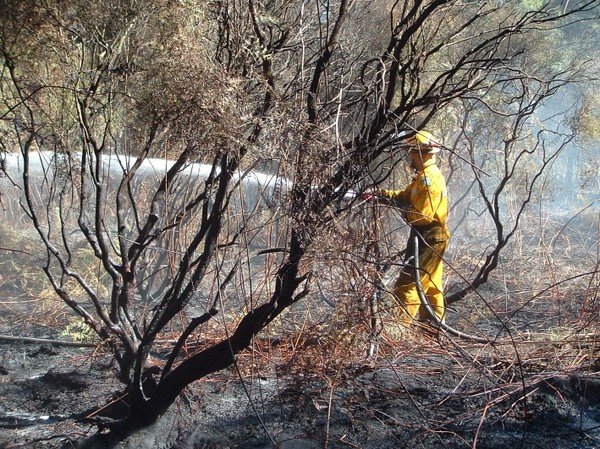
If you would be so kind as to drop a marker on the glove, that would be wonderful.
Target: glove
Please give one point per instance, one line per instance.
(368, 195)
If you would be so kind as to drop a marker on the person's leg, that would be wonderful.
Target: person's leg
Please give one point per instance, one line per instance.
(404, 306)
(405, 293)
(431, 267)
(405, 300)
(407, 297)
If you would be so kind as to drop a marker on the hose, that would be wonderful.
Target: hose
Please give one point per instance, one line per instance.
(425, 302)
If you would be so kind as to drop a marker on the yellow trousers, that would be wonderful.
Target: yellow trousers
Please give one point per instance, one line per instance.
(432, 246)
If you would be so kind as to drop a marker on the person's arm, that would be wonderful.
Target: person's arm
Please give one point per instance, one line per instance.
(399, 198)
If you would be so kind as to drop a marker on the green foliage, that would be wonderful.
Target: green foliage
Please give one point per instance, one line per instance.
(218, 81)
(589, 117)
(78, 331)
(532, 5)
(19, 262)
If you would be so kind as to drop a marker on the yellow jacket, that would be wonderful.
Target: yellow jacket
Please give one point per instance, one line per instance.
(425, 198)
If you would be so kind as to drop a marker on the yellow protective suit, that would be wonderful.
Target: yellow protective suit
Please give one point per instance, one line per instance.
(425, 202)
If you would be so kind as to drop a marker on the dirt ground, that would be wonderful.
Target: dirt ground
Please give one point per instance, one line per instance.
(431, 393)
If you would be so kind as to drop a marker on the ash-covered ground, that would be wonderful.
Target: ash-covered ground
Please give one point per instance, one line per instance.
(427, 393)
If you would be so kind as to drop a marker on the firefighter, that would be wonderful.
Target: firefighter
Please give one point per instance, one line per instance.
(424, 204)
